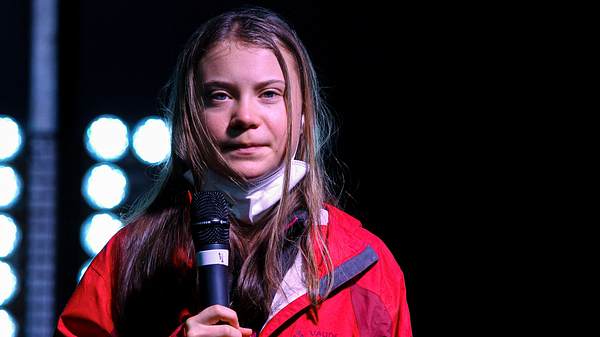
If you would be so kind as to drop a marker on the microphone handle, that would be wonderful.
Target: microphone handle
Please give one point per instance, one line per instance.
(212, 261)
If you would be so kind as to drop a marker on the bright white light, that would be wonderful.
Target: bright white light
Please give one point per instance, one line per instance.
(105, 186)
(8, 325)
(107, 138)
(152, 140)
(10, 235)
(10, 138)
(97, 230)
(8, 283)
(10, 186)
(83, 268)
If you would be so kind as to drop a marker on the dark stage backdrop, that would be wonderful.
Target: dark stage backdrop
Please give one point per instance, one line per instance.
(14, 74)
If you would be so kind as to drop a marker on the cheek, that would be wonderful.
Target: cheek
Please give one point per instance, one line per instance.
(280, 128)
(215, 125)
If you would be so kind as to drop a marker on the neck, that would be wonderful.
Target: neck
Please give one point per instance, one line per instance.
(251, 201)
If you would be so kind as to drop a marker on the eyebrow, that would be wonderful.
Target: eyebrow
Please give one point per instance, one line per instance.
(229, 85)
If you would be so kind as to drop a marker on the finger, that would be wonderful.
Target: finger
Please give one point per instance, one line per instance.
(225, 331)
(213, 330)
(217, 313)
(246, 332)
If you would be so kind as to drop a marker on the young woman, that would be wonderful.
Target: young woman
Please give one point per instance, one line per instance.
(247, 120)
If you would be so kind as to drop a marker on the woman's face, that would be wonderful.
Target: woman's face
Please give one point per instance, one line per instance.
(245, 106)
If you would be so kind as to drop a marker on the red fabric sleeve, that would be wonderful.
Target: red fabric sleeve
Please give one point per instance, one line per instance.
(179, 332)
(403, 326)
(88, 312)
(394, 289)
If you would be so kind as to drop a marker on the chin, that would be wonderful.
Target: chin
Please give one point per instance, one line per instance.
(251, 168)
(251, 171)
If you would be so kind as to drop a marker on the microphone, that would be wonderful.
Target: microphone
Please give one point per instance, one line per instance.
(209, 217)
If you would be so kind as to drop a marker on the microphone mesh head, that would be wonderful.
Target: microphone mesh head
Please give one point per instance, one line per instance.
(209, 205)
(209, 218)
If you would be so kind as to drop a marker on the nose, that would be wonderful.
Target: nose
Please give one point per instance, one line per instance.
(245, 115)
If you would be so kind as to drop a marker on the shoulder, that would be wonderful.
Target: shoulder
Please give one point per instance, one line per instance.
(346, 234)
(343, 227)
(384, 278)
(346, 237)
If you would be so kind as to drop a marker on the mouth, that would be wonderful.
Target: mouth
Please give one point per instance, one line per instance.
(242, 148)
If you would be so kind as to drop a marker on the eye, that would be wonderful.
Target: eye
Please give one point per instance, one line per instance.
(218, 96)
(270, 94)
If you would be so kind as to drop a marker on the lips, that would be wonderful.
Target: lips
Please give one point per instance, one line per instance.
(242, 147)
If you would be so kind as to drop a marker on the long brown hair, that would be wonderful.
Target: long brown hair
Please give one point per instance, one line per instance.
(151, 262)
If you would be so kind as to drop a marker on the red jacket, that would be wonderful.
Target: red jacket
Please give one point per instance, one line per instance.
(369, 296)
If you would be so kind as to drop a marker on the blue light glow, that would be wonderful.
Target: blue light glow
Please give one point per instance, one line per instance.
(10, 186)
(97, 230)
(107, 138)
(152, 140)
(105, 186)
(10, 235)
(11, 138)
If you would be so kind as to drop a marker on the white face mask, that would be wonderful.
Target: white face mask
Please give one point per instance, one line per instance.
(251, 202)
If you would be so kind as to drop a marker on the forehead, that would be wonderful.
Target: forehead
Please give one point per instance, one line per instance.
(242, 61)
